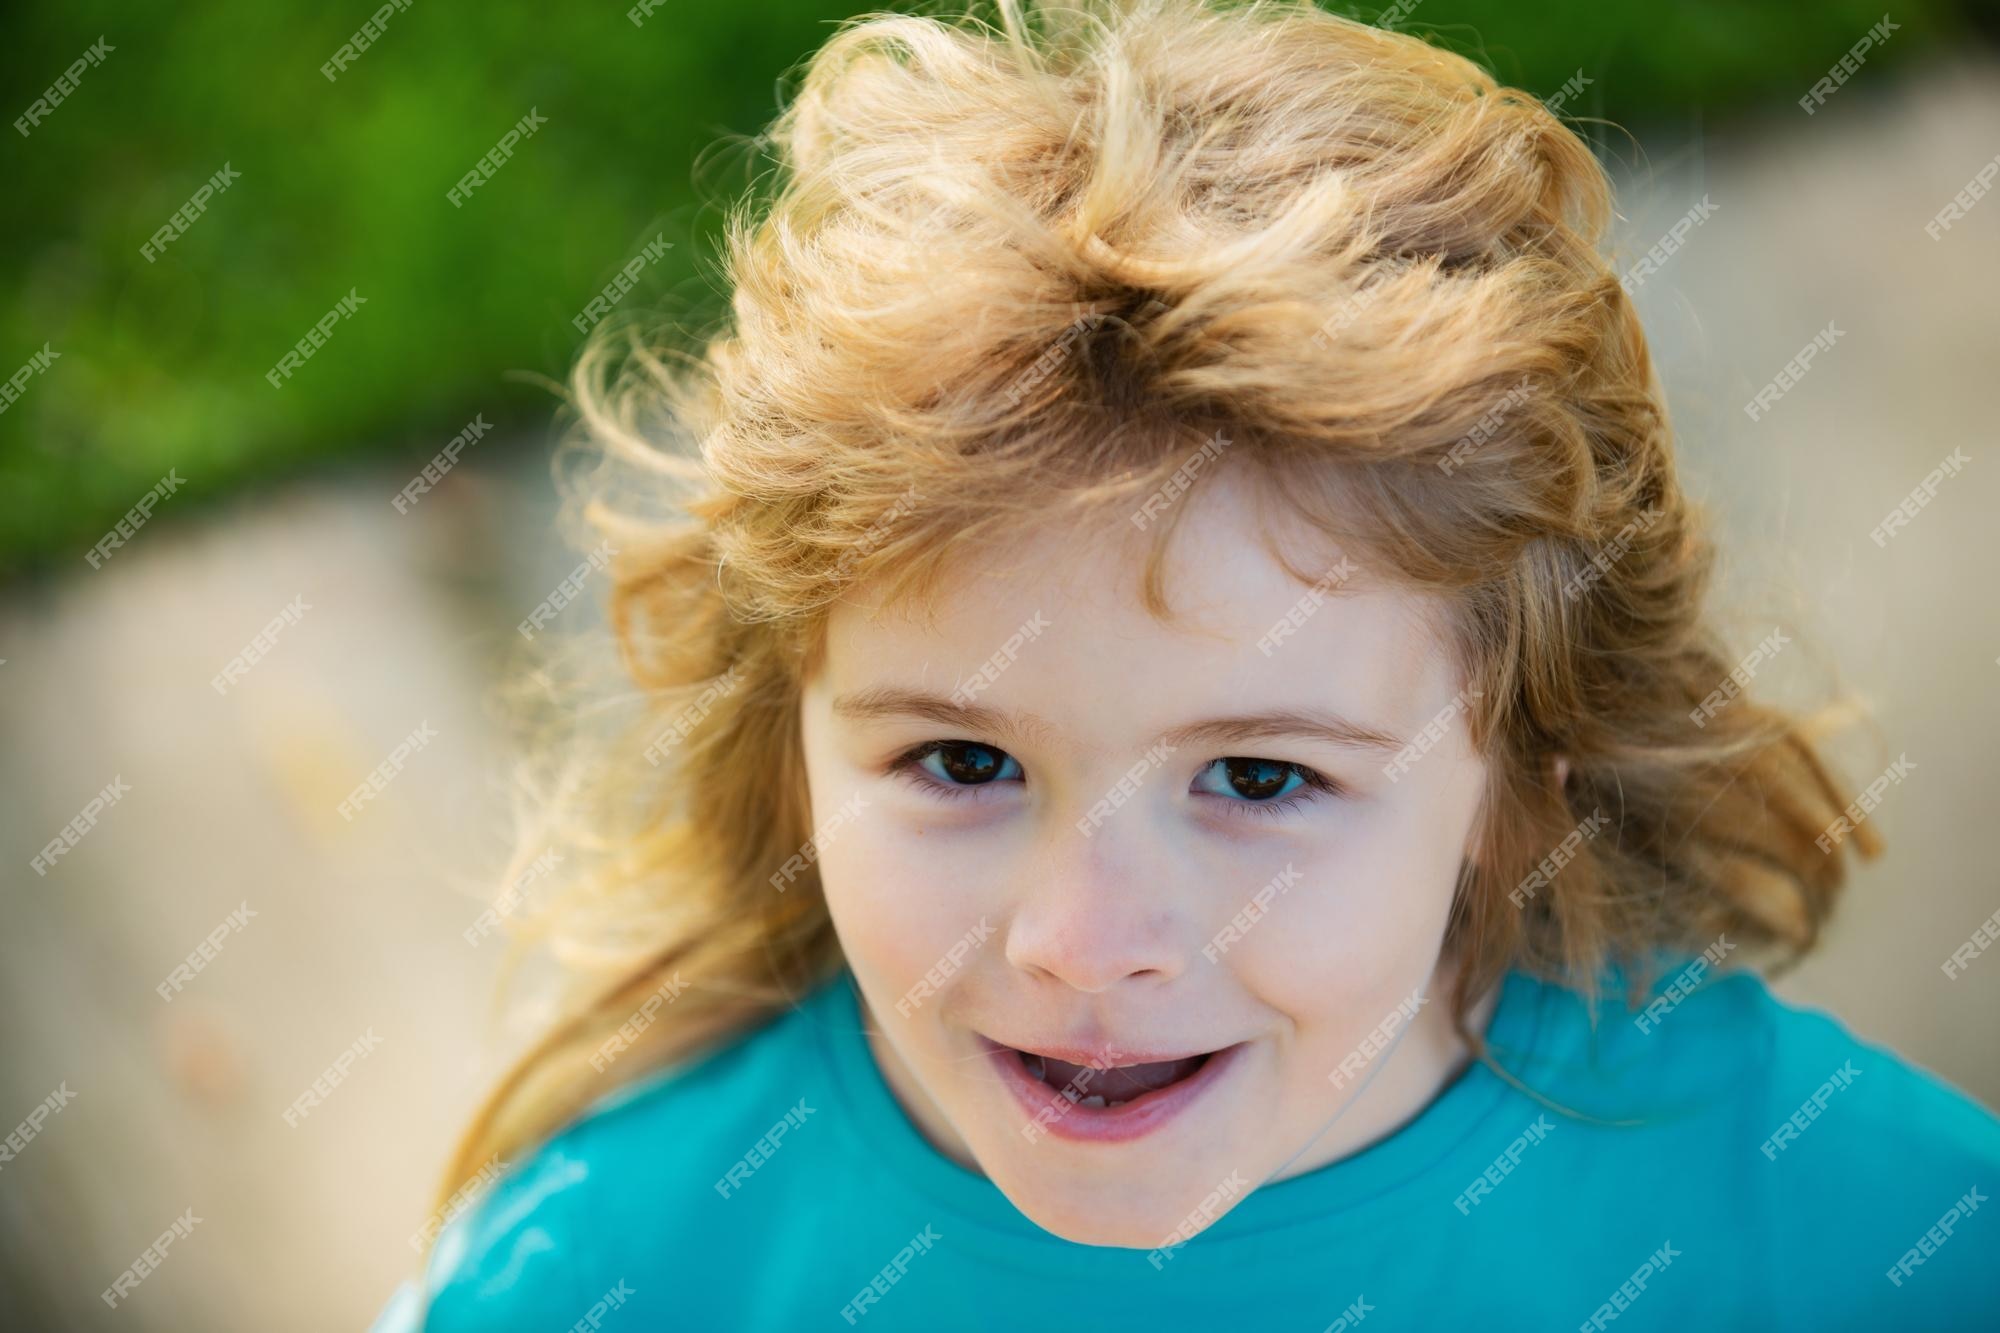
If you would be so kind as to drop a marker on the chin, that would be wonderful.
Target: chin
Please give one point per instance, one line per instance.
(1084, 1219)
(1140, 1201)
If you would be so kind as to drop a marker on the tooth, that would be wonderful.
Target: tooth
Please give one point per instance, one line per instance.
(1037, 1066)
(1095, 1100)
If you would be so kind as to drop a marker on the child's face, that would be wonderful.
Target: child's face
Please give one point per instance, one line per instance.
(1074, 888)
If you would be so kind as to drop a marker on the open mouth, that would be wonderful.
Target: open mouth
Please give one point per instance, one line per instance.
(1104, 1089)
(1105, 1102)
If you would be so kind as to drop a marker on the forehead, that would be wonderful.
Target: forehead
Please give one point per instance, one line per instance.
(1052, 621)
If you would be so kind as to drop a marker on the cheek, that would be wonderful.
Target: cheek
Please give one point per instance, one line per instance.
(884, 905)
(1364, 924)
(901, 902)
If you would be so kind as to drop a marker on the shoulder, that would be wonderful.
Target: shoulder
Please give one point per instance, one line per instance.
(1860, 1177)
(553, 1237)
(1877, 1171)
(1855, 1123)
(1725, 1037)
(1814, 1078)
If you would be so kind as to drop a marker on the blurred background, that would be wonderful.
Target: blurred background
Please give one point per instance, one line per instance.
(141, 350)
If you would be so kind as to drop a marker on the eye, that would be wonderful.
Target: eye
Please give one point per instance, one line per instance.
(960, 766)
(1260, 788)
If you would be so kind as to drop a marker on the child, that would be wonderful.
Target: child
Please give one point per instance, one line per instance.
(1186, 779)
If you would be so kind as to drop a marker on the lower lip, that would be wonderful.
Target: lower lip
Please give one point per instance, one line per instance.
(1048, 1109)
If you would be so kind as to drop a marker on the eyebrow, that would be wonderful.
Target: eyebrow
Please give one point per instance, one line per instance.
(887, 702)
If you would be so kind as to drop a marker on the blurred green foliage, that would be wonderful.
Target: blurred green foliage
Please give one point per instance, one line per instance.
(343, 187)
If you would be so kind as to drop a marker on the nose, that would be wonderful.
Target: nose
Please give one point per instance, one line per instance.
(1101, 910)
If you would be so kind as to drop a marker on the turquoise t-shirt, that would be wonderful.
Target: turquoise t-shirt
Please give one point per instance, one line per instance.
(1785, 1175)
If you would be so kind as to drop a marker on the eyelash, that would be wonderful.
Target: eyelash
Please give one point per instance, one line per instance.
(909, 767)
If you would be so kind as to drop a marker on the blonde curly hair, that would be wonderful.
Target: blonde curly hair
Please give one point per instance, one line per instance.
(1022, 270)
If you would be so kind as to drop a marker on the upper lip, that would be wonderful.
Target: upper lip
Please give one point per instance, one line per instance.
(1105, 1055)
